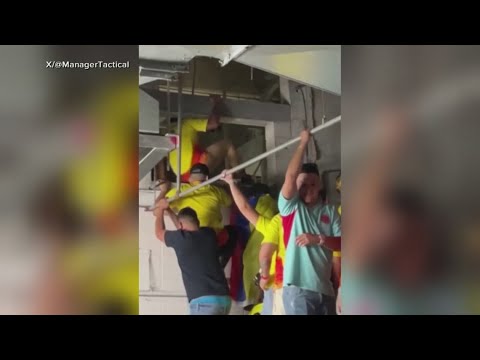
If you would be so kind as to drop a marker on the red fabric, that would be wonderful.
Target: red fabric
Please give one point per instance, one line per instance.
(278, 270)
(287, 223)
(325, 219)
(237, 290)
(222, 237)
(184, 178)
(198, 156)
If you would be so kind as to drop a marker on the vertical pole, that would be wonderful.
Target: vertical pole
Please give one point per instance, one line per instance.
(169, 120)
(179, 141)
(168, 106)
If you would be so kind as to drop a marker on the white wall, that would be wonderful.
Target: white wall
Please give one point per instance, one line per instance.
(161, 286)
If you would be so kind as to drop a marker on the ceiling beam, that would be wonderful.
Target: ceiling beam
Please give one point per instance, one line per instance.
(233, 52)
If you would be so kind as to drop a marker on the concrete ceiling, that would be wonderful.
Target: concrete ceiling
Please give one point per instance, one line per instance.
(234, 81)
(182, 53)
(313, 65)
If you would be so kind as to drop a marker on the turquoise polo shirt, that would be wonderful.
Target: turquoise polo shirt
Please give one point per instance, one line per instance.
(308, 267)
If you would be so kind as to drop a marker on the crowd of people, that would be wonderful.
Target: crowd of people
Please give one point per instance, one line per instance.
(295, 252)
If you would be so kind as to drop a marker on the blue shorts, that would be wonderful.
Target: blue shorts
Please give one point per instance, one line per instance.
(299, 301)
(211, 305)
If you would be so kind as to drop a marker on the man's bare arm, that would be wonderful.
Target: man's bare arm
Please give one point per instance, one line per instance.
(289, 188)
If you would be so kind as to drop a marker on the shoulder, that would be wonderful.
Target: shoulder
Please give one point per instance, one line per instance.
(173, 237)
(175, 234)
(217, 190)
(185, 186)
(261, 224)
(266, 204)
(173, 191)
(277, 218)
(287, 206)
(208, 231)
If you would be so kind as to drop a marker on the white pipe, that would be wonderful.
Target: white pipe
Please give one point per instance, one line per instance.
(179, 131)
(254, 160)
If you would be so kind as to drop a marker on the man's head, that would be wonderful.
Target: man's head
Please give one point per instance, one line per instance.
(188, 219)
(198, 173)
(309, 184)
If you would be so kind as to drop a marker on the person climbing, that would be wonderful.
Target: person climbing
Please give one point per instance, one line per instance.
(213, 156)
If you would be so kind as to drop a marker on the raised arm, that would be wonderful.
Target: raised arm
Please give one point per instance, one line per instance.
(173, 217)
(242, 204)
(214, 117)
(289, 188)
(159, 213)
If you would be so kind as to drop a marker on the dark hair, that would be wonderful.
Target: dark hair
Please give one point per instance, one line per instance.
(190, 215)
(310, 168)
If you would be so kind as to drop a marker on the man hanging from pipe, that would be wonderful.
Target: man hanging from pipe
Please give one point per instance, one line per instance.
(310, 226)
(191, 153)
